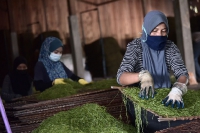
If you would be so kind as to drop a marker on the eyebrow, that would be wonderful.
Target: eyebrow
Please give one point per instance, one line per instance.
(158, 28)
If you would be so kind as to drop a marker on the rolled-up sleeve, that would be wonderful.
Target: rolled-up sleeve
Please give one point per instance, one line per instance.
(130, 60)
(177, 63)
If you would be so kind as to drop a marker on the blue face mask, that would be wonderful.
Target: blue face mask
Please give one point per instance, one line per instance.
(156, 42)
(55, 57)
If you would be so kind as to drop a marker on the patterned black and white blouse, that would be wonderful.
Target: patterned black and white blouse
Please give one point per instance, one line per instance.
(132, 61)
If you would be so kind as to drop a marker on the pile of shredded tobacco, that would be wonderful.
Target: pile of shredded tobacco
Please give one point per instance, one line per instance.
(57, 91)
(191, 101)
(88, 118)
(71, 87)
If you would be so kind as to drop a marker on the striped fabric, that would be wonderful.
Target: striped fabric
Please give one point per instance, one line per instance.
(132, 61)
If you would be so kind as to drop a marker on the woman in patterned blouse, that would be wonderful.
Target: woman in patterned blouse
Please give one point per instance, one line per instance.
(149, 59)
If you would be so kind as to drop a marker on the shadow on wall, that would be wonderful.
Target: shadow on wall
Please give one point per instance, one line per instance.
(196, 51)
(172, 29)
(68, 61)
(94, 58)
(5, 54)
(195, 28)
(195, 23)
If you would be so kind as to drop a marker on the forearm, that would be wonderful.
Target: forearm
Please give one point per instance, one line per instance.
(183, 79)
(128, 78)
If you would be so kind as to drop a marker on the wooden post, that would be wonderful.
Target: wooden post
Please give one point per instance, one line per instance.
(75, 39)
(13, 34)
(183, 33)
(144, 7)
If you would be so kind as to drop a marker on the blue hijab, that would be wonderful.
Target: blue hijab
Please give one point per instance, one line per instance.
(54, 69)
(154, 60)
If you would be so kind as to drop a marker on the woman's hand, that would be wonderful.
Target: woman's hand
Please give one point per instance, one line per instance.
(175, 95)
(58, 81)
(83, 81)
(147, 84)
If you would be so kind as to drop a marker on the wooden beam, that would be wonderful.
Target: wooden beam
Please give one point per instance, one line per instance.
(107, 2)
(10, 16)
(45, 15)
(87, 2)
(144, 7)
(72, 7)
(97, 4)
(13, 34)
(183, 33)
(75, 39)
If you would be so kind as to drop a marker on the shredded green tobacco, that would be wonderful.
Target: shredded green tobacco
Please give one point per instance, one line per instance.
(88, 118)
(138, 119)
(191, 101)
(71, 87)
(95, 85)
(101, 84)
(57, 91)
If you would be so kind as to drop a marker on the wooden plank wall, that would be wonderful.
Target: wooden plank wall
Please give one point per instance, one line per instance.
(121, 19)
(4, 24)
(37, 16)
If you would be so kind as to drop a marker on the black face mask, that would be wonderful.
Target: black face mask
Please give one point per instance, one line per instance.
(21, 82)
(21, 72)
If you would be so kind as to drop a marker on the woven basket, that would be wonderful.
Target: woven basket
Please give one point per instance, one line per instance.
(25, 116)
(152, 122)
(190, 127)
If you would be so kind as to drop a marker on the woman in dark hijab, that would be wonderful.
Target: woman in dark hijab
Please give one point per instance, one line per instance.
(18, 83)
(149, 59)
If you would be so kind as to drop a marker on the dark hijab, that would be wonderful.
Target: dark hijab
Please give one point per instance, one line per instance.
(20, 79)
